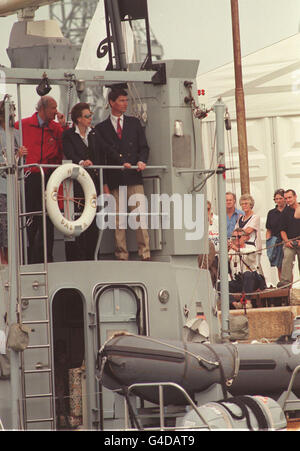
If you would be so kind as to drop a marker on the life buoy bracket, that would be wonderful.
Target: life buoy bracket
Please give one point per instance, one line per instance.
(66, 226)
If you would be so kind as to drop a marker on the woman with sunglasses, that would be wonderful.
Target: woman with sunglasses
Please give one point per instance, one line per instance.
(250, 222)
(83, 146)
(79, 142)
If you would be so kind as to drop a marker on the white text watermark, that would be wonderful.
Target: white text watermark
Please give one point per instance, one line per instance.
(158, 211)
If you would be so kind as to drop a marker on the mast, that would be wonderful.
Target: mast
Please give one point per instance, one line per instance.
(219, 109)
(13, 259)
(239, 100)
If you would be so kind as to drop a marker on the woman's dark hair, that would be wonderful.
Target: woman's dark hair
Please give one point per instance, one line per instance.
(2, 107)
(77, 110)
(280, 192)
(2, 112)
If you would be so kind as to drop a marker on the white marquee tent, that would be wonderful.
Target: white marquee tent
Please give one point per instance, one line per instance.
(271, 80)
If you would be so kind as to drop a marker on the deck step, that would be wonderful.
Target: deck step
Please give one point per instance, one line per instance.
(38, 396)
(40, 420)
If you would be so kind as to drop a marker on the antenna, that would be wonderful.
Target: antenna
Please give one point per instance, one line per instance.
(116, 12)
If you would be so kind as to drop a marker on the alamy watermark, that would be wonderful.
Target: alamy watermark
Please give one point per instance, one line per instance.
(159, 211)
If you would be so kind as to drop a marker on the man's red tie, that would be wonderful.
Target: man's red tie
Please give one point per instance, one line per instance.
(119, 129)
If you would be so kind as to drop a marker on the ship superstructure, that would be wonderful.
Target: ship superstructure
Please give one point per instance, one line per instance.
(70, 311)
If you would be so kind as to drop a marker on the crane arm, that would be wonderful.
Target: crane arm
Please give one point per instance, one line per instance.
(8, 7)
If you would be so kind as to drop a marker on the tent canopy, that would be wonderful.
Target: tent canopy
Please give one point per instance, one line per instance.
(271, 80)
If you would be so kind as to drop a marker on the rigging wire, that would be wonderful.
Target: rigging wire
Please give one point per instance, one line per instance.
(139, 108)
(230, 150)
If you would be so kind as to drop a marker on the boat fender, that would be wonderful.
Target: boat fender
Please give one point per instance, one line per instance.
(250, 413)
(64, 225)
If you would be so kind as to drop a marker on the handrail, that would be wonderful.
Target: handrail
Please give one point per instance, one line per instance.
(285, 399)
(43, 211)
(101, 168)
(160, 386)
(164, 167)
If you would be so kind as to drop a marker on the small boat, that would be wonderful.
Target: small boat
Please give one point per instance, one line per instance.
(238, 369)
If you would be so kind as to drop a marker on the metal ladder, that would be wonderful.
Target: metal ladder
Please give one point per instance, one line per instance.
(27, 375)
(42, 369)
(41, 372)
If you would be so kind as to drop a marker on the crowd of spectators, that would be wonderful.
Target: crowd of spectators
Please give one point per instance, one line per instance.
(282, 226)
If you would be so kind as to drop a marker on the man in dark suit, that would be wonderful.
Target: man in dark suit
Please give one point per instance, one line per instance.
(128, 147)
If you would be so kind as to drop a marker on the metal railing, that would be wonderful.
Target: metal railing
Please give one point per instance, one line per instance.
(160, 386)
(286, 401)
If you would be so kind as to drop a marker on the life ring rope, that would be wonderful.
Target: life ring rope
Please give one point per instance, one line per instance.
(65, 225)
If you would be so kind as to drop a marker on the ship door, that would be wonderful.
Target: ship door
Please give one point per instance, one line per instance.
(119, 308)
(69, 358)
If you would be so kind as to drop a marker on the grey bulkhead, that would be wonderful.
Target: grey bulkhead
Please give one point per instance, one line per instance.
(103, 314)
(174, 267)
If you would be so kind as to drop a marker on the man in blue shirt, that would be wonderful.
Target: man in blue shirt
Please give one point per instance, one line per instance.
(233, 213)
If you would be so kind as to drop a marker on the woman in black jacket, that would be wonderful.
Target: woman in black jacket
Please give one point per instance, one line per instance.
(83, 145)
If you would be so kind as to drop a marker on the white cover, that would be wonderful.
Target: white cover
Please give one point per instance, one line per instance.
(271, 80)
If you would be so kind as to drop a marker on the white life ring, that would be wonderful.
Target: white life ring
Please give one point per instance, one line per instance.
(67, 227)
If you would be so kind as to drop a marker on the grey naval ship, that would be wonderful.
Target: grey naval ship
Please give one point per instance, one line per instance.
(110, 345)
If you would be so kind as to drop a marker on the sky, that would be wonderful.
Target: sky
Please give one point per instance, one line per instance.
(201, 29)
